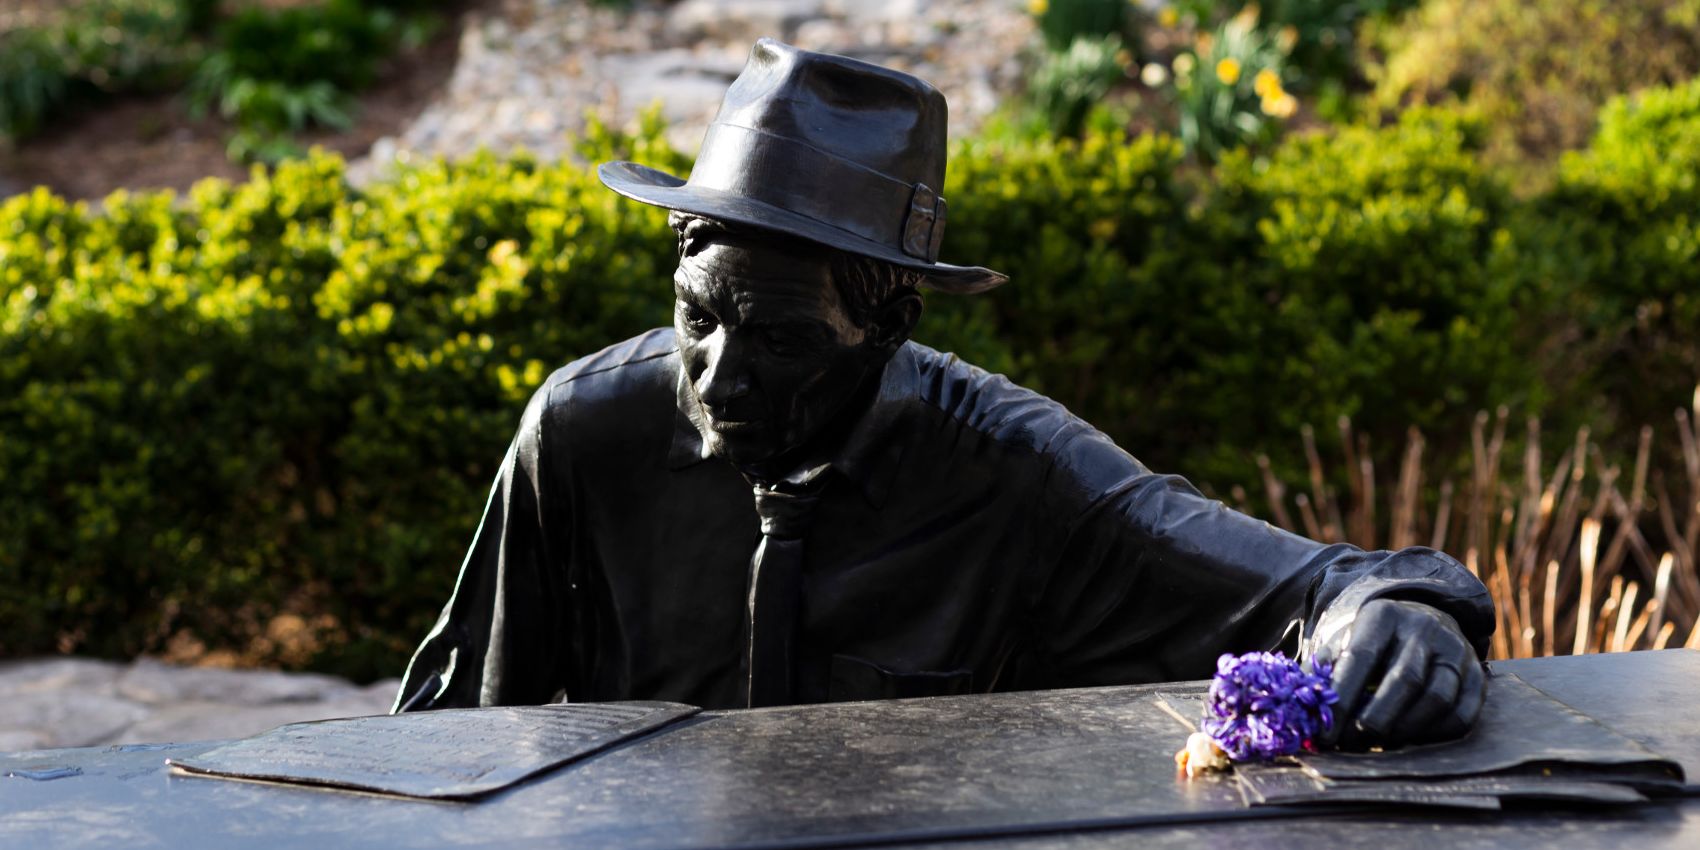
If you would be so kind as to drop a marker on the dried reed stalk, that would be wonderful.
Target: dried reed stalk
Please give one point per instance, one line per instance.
(1585, 602)
(1544, 540)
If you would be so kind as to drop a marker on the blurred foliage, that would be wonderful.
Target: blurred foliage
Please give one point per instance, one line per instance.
(1322, 34)
(287, 396)
(1537, 72)
(1227, 88)
(277, 72)
(1066, 85)
(1082, 55)
(1062, 23)
(33, 82)
(1377, 273)
(271, 72)
(96, 47)
(1622, 237)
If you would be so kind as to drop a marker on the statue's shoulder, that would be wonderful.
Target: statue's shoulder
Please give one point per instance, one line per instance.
(1019, 418)
(624, 381)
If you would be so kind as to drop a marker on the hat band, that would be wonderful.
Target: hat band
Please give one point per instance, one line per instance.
(834, 191)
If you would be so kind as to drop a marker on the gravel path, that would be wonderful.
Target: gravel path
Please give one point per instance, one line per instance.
(79, 702)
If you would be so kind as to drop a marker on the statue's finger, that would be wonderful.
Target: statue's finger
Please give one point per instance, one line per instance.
(1405, 679)
(1472, 692)
(1430, 713)
(1361, 659)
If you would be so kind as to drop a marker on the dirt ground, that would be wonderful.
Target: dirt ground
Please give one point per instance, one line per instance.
(153, 142)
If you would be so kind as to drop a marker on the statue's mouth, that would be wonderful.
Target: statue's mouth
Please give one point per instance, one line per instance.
(736, 427)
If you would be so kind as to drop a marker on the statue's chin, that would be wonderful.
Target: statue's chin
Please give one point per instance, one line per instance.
(742, 444)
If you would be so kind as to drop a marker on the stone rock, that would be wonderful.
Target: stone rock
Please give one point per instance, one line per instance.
(18, 740)
(717, 18)
(529, 71)
(154, 682)
(206, 721)
(877, 10)
(45, 719)
(382, 691)
(685, 84)
(41, 675)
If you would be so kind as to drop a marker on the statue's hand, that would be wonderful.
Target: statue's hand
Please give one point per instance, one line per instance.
(1428, 680)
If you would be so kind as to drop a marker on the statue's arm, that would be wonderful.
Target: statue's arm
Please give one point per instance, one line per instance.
(500, 640)
(1155, 581)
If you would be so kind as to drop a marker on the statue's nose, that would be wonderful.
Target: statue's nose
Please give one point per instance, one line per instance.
(726, 376)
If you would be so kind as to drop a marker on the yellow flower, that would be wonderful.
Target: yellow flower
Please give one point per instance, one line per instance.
(1246, 20)
(1203, 44)
(1168, 17)
(1282, 105)
(1038, 7)
(1267, 84)
(1286, 38)
(1183, 64)
(1228, 71)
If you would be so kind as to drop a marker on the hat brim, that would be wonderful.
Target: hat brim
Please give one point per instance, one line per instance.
(658, 188)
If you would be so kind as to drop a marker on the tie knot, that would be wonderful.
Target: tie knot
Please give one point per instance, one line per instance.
(785, 515)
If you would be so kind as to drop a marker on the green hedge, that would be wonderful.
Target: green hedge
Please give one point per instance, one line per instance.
(1623, 238)
(289, 396)
(1202, 319)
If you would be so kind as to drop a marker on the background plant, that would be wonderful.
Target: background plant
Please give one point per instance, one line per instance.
(1557, 537)
(1228, 88)
(1621, 237)
(277, 72)
(1067, 85)
(93, 49)
(1062, 22)
(271, 72)
(1538, 72)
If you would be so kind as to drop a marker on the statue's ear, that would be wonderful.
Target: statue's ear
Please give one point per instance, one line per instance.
(895, 322)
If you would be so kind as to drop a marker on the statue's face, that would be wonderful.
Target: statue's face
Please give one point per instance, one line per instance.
(772, 355)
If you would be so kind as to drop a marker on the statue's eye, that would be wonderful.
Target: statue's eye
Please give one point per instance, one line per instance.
(695, 317)
(783, 343)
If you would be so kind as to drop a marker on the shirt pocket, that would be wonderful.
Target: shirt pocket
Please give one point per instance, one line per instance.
(860, 679)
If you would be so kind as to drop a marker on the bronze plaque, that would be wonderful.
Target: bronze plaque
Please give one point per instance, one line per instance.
(448, 754)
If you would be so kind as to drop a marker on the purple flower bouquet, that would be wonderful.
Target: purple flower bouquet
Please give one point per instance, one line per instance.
(1263, 705)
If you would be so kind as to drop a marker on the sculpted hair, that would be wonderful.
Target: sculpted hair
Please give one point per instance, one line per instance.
(865, 284)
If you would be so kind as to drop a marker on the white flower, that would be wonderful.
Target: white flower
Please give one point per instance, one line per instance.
(1201, 755)
(1154, 74)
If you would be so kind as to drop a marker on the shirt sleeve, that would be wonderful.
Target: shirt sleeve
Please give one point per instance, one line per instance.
(1154, 581)
(500, 640)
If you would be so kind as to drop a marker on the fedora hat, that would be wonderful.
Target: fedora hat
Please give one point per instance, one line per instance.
(827, 148)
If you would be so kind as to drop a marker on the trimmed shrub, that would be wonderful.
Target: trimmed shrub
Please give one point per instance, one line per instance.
(1623, 223)
(1366, 273)
(286, 398)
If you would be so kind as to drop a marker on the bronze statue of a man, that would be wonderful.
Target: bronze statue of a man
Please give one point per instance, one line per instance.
(782, 499)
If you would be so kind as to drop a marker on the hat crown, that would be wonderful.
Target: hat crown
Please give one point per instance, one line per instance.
(826, 148)
(883, 120)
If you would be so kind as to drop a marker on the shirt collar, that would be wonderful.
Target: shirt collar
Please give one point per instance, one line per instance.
(870, 454)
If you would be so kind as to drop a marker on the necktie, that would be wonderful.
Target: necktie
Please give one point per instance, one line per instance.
(776, 586)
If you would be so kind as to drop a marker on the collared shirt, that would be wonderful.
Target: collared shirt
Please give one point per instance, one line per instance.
(977, 537)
